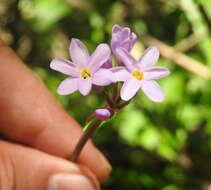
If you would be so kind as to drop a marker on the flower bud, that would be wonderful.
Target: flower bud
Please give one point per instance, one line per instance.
(103, 114)
(122, 37)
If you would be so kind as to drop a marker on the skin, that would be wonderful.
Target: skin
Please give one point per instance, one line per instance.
(36, 135)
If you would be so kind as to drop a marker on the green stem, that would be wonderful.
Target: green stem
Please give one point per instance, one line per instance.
(115, 92)
(84, 138)
(122, 104)
(108, 99)
(115, 105)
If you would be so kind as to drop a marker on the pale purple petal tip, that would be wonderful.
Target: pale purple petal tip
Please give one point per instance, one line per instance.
(125, 34)
(133, 40)
(151, 73)
(153, 90)
(99, 57)
(68, 86)
(64, 66)
(84, 86)
(103, 114)
(149, 57)
(79, 52)
(103, 77)
(120, 73)
(116, 28)
(130, 88)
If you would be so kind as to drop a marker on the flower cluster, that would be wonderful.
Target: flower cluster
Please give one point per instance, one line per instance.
(87, 70)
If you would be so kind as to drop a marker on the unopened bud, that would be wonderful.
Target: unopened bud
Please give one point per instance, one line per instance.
(103, 114)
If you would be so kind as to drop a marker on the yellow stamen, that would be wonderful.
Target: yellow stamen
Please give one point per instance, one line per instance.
(85, 73)
(138, 74)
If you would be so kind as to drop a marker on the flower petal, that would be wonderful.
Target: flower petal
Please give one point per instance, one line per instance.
(68, 86)
(122, 75)
(99, 57)
(126, 44)
(151, 73)
(64, 66)
(103, 77)
(122, 37)
(153, 90)
(84, 86)
(107, 64)
(149, 57)
(118, 68)
(129, 42)
(130, 88)
(79, 52)
(116, 29)
(126, 58)
(125, 34)
(133, 39)
(115, 40)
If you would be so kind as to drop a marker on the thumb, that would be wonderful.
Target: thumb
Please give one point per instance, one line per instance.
(23, 168)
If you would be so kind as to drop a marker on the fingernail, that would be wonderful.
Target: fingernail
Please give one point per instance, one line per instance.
(69, 182)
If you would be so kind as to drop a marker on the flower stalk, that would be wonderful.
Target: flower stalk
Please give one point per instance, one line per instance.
(84, 138)
(112, 109)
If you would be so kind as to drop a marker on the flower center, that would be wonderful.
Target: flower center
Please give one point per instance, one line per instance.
(138, 74)
(85, 73)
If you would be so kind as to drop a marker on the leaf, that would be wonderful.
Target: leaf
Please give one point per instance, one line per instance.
(42, 15)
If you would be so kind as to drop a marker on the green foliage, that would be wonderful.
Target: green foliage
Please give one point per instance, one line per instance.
(43, 15)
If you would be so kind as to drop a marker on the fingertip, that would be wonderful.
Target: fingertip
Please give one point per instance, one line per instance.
(103, 167)
(22, 165)
(106, 167)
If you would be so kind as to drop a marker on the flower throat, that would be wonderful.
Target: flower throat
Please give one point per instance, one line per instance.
(138, 74)
(85, 73)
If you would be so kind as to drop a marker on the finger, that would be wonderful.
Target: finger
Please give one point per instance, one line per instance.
(30, 115)
(23, 168)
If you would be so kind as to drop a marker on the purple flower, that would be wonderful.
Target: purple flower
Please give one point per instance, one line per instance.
(140, 74)
(103, 114)
(122, 37)
(84, 70)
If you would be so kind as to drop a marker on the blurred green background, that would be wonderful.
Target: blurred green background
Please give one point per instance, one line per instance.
(151, 146)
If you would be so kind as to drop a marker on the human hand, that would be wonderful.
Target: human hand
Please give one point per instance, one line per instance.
(40, 136)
